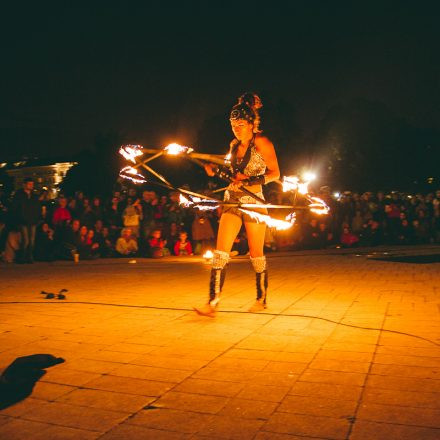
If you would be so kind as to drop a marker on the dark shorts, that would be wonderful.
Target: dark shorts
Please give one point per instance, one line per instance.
(240, 197)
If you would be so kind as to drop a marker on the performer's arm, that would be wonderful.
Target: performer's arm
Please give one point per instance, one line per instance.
(265, 147)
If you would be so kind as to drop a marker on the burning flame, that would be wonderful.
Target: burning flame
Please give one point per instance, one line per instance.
(228, 158)
(175, 149)
(130, 152)
(131, 173)
(293, 183)
(318, 206)
(208, 255)
(280, 225)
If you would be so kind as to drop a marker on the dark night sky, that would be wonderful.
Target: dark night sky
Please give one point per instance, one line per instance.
(155, 73)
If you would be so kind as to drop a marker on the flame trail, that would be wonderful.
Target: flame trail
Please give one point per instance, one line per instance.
(130, 173)
(279, 225)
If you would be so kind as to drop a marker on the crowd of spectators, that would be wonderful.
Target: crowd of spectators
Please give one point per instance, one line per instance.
(142, 223)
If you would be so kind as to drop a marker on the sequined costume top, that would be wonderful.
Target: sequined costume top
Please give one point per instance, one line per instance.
(251, 164)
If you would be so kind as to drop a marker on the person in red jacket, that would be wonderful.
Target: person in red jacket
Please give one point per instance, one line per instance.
(183, 246)
(62, 214)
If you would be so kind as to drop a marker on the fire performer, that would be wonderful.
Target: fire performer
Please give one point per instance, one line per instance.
(252, 163)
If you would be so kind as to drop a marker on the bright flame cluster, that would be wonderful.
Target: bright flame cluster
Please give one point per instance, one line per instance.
(130, 152)
(175, 149)
(293, 183)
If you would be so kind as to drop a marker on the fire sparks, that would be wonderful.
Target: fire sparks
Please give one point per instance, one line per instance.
(175, 149)
(130, 152)
(130, 173)
(291, 218)
(197, 202)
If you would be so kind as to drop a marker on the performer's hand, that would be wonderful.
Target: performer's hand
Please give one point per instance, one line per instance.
(209, 168)
(237, 182)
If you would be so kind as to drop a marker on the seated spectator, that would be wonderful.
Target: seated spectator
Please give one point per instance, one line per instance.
(183, 246)
(325, 237)
(171, 235)
(311, 234)
(68, 240)
(61, 215)
(44, 243)
(106, 244)
(84, 244)
(348, 239)
(156, 245)
(126, 245)
(93, 243)
(373, 234)
(406, 233)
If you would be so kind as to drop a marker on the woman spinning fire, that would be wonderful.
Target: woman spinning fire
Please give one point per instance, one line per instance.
(253, 163)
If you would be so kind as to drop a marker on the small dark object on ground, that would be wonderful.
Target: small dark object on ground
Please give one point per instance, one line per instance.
(50, 295)
(61, 296)
(19, 378)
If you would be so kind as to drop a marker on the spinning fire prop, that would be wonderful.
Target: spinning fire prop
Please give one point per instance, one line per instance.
(135, 153)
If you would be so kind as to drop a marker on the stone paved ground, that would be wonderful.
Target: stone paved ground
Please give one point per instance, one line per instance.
(332, 358)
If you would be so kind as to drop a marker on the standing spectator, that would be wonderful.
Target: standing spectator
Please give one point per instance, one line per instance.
(202, 233)
(147, 212)
(27, 210)
(97, 209)
(126, 245)
(183, 246)
(44, 243)
(114, 218)
(131, 216)
(87, 216)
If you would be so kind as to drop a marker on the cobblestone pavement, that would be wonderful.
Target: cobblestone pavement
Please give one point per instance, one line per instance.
(349, 348)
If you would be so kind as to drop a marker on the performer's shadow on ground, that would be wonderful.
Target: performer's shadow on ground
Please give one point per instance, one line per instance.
(19, 378)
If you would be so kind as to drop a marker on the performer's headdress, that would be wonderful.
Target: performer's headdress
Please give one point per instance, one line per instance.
(242, 111)
(247, 109)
